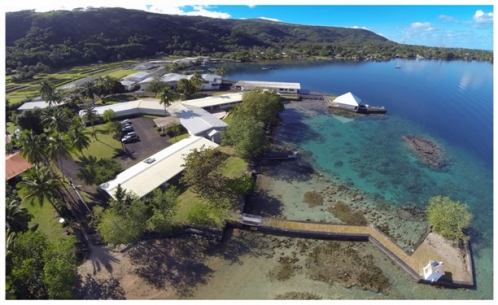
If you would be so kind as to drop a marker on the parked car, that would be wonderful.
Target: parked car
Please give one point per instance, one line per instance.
(131, 133)
(130, 139)
(127, 129)
(127, 122)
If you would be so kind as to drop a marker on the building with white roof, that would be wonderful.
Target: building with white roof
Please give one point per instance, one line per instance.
(125, 109)
(132, 79)
(198, 121)
(433, 271)
(347, 101)
(280, 87)
(215, 102)
(142, 178)
(36, 104)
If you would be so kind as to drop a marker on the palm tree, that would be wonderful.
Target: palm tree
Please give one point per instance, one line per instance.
(39, 184)
(47, 91)
(221, 71)
(197, 80)
(89, 90)
(56, 120)
(17, 218)
(79, 139)
(87, 170)
(32, 148)
(165, 98)
(90, 114)
(58, 148)
(110, 83)
(115, 129)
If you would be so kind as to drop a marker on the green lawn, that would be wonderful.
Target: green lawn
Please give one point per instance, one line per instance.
(104, 147)
(44, 217)
(228, 119)
(233, 167)
(178, 138)
(121, 73)
(186, 201)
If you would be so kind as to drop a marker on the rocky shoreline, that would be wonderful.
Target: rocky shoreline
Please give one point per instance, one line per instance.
(430, 152)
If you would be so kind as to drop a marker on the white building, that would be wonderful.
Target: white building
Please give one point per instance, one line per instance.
(211, 82)
(198, 121)
(133, 108)
(145, 66)
(433, 271)
(172, 79)
(36, 104)
(280, 87)
(216, 102)
(347, 101)
(142, 178)
(130, 80)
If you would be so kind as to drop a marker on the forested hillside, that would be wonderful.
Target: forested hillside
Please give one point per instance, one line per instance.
(65, 38)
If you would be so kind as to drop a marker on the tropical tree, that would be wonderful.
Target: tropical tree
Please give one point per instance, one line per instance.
(165, 97)
(59, 146)
(156, 86)
(39, 184)
(91, 115)
(197, 80)
(175, 129)
(247, 136)
(30, 120)
(109, 115)
(17, 218)
(90, 90)
(263, 105)
(202, 173)
(79, 139)
(55, 120)
(185, 88)
(47, 91)
(95, 171)
(163, 209)
(449, 218)
(221, 71)
(60, 271)
(32, 147)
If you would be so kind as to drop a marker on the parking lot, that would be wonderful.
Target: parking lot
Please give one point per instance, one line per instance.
(150, 142)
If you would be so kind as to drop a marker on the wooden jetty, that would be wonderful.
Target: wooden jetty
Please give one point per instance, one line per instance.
(413, 263)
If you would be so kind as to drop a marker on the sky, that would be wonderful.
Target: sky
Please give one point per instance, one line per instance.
(460, 26)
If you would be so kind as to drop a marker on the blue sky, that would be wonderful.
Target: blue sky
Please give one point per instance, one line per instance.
(463, 26)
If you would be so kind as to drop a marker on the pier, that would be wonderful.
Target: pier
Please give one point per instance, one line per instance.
(413, 263)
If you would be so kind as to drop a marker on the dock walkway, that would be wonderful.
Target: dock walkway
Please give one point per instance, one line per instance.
(412, 263)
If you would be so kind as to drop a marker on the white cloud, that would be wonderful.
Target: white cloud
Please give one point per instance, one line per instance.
(153, 6)
(422, 26)
(447, 18)
(355, 27)
(481, 17)
(270, 19)
(252, 5)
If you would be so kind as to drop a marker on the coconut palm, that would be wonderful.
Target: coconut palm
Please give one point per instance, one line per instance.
(89, 90)
(197, 80)
(87, 170)
(79, 139)
(32, 148)
(165, 97)
(109, 84)
(47, 92)
(17, 218)
(221, 71)
(55, 120)
(39, 184)
(58, 148)
(90, 114)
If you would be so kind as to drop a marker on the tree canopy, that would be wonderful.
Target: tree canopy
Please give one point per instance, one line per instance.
(247, 136)
(449, 218)
(262, 105)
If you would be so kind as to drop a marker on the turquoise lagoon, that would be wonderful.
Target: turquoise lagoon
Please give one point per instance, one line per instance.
(448, 102)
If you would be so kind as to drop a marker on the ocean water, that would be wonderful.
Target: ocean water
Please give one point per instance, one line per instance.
(448, 102)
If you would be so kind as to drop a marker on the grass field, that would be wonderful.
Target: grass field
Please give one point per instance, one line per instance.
(186, 201)
(43, 215)
(104, 147)
(233, 167)
(228, 119)
(178, 138)
(121, 73)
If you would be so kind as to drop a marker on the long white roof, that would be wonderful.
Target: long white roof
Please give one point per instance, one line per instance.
(37, 104)
(147, 106)
(142, 178)
(215, 100)
(262, 84)
(195, 120)
(174, 77)
(139, 76)
(348, 99)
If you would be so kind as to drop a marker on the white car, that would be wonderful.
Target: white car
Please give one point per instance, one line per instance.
(126, 122)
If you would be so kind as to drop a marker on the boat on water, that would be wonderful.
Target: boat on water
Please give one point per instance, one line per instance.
(268, 68)
(398, 67)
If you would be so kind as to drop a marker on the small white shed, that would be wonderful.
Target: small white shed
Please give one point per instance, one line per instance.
(433, 271)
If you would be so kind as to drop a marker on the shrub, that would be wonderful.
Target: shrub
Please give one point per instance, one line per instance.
(449, 218)
(313, 198)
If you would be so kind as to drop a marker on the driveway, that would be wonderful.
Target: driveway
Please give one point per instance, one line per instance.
(150, 142)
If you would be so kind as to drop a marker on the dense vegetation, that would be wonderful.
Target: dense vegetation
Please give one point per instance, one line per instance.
(66, 38)
(449, 218)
